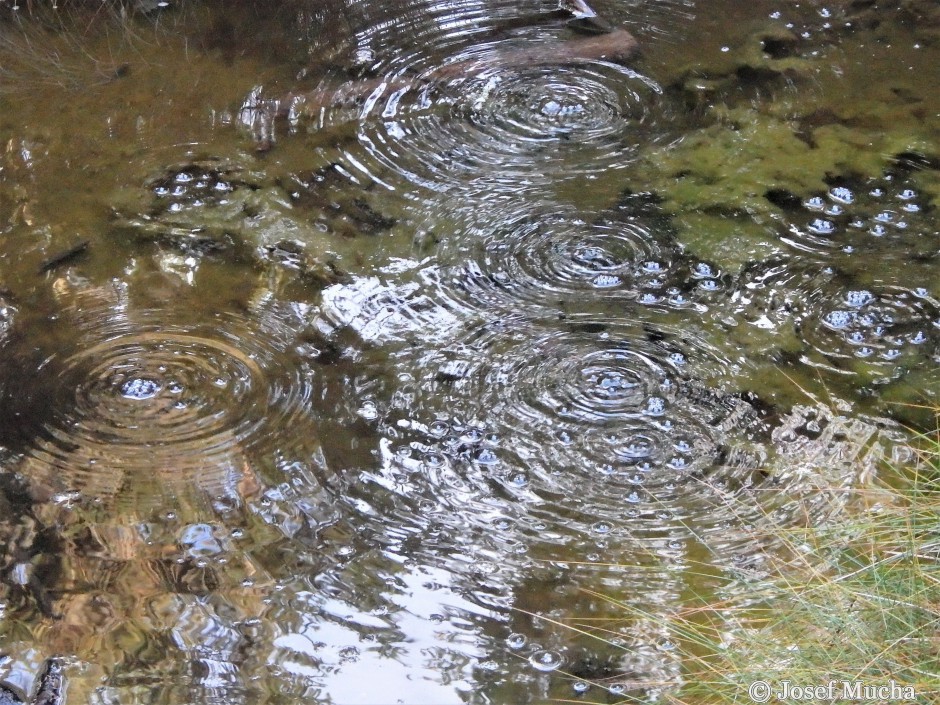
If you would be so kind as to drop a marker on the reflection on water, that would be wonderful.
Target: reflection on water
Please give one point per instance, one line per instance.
(348, 358)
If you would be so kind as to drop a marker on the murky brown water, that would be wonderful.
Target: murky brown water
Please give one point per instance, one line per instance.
(340, 340)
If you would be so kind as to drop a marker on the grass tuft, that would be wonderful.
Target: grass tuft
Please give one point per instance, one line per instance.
(856, 600)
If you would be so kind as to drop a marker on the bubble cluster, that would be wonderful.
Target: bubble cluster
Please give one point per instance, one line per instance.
(807, 307)
(881, 327)
(194, 186)
(197, 207)
(886, 217)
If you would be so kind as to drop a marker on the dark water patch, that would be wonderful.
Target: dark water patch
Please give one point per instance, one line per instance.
(909, 161)
(63, 257)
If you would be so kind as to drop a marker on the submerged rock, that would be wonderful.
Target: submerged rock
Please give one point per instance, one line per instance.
(767, 57)
(330, 195)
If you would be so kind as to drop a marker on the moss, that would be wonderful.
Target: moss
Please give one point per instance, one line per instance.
(776, 116)
(727, 168)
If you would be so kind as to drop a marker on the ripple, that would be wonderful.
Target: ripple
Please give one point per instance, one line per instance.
(543, 259)
(559, 261)
(196, 391)
(472, 100)
(587, 435)
(139, 407)
(504, 124)
(580, 443)
(613, 384)
(888, 328)
(545, 107)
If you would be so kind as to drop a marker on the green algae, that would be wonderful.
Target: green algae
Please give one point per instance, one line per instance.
(790, 124)
(776, 119)
(727, 168)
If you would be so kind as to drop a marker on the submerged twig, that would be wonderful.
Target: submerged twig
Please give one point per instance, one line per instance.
(60, 258)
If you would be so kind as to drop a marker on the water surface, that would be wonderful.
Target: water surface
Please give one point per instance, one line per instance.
(364, 403)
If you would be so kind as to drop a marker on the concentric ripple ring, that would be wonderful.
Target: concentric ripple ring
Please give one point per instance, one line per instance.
(187, 405)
